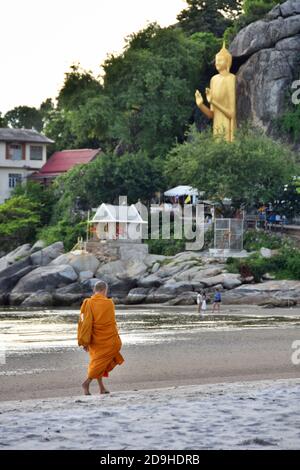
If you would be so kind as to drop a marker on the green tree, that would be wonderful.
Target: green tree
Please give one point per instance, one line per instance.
(42, 198)
(104, 180)
(79, 85)
(83, 114)
(257, 9)
(58, 127)
(289, 122)
(212, 16)
(249, 171)
(152, 86)
(19, 221)
(24, 116)
(288, 200)
(3, 122)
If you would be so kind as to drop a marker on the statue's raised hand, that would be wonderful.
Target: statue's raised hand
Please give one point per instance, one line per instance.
(208, 95)
(199, 99)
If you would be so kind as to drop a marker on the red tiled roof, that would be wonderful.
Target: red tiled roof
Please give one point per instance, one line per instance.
(64, 160)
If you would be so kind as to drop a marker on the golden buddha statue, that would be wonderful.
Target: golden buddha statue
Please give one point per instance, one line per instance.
(222, 97)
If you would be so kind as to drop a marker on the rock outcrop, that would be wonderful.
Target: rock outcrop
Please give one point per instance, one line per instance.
(135, 278)
(268, 50)
(45, 278)
(46, 255)
(269, 293)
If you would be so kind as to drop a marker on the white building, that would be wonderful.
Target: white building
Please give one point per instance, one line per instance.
(22, 152)
(122, 223)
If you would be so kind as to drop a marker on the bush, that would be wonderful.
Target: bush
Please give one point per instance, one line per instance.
(251, 170)
(285, 265)
(19, 221)
(255, 240)
(166, 247)
(63, 231)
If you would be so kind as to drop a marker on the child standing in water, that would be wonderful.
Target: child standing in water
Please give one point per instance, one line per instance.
(199, 301)
(203, 305)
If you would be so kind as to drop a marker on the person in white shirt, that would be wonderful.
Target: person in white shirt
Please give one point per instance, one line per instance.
(199, 301)
(203, 305)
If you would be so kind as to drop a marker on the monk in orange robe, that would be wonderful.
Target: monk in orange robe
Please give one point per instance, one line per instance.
(98, 334)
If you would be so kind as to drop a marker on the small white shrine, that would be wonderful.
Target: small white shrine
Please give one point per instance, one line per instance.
(117, 223)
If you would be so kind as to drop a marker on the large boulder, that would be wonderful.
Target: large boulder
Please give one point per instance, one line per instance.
(3, 263)
(167, 292)
(150, 281)
(13, 273)
(81, 261)
(186, 298)
(137, 295)
(40, 298)
(268, 50)
(276, 292)
(73, 294)
(134, 270)
(47, 278)
(119, 289)
(111, 271)
(9, 282)
(198, 273)
(17, 298)
(227, 280)
(172, 269)
(122, 270)
(48, 254)
(20, 253)
(188, 256)
(133, 251)
(151, 260)
(85, 275)
(39, 245)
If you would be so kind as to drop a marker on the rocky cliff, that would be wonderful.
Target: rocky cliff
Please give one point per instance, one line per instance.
(267, 56)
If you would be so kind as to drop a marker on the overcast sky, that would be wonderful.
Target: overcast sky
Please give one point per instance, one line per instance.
(40, 39)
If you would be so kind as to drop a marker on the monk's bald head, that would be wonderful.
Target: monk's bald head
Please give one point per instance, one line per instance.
(101, 288)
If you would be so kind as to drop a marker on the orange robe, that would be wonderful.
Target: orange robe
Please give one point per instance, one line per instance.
(97, 330)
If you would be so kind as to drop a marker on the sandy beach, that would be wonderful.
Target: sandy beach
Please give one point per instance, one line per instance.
(223, 382)
(256, 415)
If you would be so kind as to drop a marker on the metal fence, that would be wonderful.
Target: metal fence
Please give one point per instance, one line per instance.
(229, 234)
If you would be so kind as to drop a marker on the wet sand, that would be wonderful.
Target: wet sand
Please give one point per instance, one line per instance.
(202, 357)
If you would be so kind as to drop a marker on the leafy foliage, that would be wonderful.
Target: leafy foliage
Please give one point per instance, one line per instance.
(289, 123)
(254, 240)
(19, 221)
(284, 265)
(63, 231)
(24, 116)
(42, 198)
(152, 86)
(213, 16)
(105, 179)
(78, 87)
(248, 171)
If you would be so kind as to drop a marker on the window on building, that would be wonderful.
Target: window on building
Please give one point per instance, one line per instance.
(15, 152)
(36, 152)
(14, 179)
